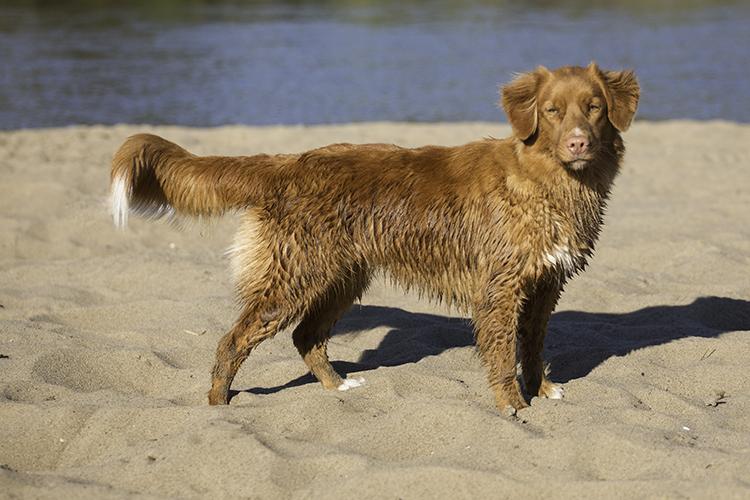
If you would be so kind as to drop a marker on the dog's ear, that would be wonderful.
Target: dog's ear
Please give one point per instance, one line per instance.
(519, 101)
(621, 91)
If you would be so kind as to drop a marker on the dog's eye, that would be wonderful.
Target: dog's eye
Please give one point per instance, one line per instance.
(594, 107)
(552, 111)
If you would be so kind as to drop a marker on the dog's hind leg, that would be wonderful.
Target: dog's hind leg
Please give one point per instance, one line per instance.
(268, 304)
(312, 334)
(257, 323)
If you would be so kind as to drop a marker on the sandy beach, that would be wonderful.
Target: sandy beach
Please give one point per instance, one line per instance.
(107, 339)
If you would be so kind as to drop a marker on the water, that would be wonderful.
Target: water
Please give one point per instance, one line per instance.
(208, 63)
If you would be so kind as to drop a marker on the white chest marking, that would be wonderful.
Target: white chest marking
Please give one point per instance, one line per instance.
(560, 256)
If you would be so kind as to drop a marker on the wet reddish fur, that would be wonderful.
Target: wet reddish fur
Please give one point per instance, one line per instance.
(470, 225)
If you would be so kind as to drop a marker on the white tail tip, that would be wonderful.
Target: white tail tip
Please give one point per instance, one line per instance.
(120, 203)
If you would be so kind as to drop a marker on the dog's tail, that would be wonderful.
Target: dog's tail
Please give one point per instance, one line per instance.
(157, 178)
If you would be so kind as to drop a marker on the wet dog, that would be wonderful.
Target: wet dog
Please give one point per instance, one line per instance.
(493, 227)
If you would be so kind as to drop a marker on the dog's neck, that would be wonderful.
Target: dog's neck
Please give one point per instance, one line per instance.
(576, 196)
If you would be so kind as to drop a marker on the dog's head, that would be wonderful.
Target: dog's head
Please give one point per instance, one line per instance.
(572, 112)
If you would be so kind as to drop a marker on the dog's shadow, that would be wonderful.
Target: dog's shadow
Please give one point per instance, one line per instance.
(576, 343)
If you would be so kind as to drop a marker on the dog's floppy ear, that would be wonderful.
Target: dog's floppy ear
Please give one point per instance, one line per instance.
(519, 102)
(621, 90)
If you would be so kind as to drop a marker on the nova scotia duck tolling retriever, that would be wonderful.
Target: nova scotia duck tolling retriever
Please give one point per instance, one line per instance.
(494, 227)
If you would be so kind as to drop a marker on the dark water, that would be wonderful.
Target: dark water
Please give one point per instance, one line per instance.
(218, 62)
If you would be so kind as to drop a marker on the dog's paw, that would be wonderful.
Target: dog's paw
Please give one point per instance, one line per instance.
(509, 411)
(551, 391)
(350, 383)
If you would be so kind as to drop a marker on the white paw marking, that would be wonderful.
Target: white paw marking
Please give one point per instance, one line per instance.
(509, 411)
(350, 383)
(556, 392)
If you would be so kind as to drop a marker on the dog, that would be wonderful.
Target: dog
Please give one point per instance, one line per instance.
(494, 227)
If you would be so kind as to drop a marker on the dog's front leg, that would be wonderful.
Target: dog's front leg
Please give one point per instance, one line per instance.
(539, 305)
(496, 326)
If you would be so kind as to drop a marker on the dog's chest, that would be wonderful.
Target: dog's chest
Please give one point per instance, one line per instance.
(561, 249)
(560, 257)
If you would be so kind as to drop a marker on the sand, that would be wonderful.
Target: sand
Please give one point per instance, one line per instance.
(107, 339)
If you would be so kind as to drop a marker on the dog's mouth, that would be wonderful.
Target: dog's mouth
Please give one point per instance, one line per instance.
(577, 164)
